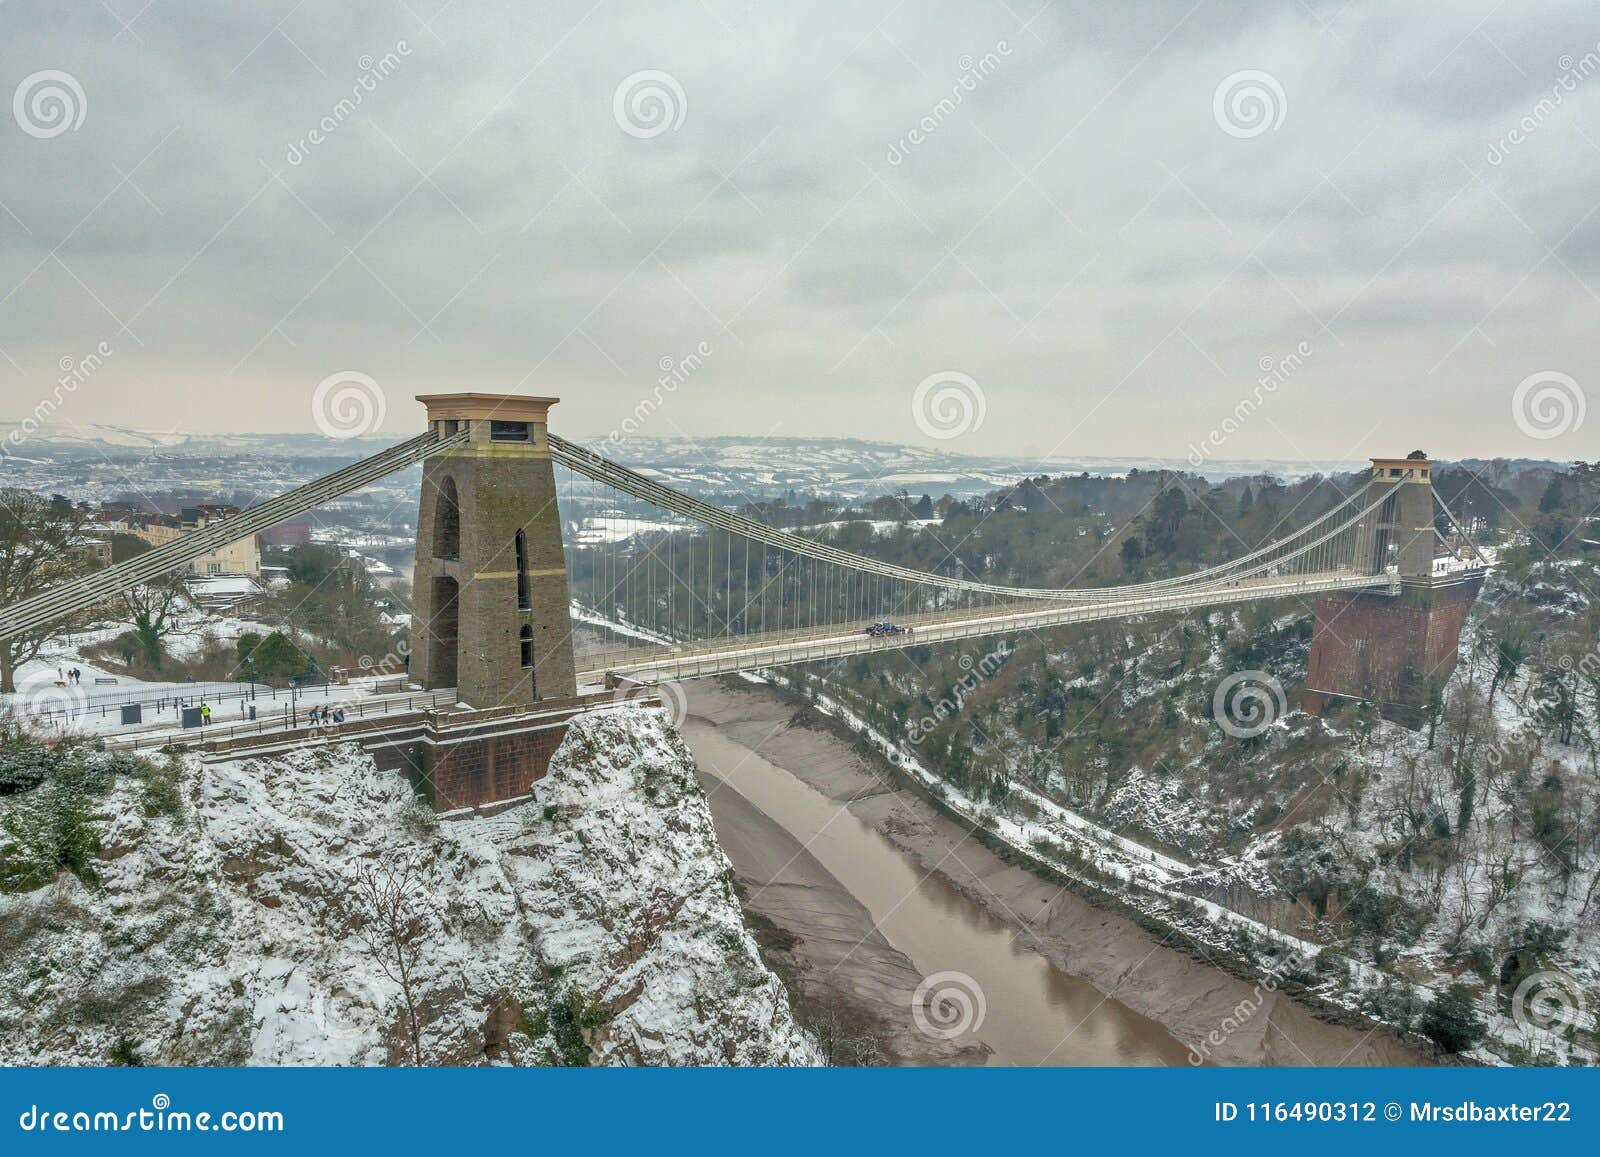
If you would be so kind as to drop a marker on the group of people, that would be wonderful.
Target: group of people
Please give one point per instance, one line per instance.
(70, 675)
(325, 715)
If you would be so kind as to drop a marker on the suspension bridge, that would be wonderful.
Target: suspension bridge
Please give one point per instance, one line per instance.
(516, 605)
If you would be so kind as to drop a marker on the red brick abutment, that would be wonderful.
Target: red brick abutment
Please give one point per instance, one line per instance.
(1393, 651)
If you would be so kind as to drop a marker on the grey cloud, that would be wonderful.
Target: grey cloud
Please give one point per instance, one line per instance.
(548, 249)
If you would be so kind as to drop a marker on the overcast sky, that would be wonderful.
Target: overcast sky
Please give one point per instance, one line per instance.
(1109, 217)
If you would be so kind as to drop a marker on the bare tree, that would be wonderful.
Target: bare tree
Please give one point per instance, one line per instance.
(391, 922)
(40, 546)
(152, 608)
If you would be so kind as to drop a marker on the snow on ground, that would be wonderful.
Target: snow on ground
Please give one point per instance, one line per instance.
(233, 932)
(878, 526)
(1164, 888)
(604, 529)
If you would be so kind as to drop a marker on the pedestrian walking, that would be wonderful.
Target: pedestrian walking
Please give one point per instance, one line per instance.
(205, 714)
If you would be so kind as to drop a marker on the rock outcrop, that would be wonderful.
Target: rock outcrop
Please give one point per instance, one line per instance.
(304, 909)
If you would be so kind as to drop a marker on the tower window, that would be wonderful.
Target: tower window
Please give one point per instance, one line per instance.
(522, 572)
(508, 431)
(527, 647)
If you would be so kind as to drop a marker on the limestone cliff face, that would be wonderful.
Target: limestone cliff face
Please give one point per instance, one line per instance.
(302, 909)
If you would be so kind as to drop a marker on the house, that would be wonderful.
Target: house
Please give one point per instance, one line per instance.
(242, 557)
(94, 544)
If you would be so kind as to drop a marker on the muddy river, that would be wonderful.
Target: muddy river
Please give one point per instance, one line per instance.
(1024, 1010)
(882, 906)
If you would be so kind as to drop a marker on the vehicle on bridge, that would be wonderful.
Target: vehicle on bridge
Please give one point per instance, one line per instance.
(885, 628)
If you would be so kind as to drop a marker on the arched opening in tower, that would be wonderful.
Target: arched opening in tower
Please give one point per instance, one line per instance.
(447, 521)
(444, 632)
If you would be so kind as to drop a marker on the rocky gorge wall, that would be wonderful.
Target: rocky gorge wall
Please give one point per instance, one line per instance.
(303, 908)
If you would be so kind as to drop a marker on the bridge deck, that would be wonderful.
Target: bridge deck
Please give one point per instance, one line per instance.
(752, 652)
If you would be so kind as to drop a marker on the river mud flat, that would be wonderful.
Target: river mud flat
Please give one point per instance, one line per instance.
(875, 905)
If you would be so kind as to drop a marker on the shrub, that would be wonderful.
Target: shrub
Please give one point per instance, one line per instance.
(52, 826)
(572, 1015)
(24, 766)
(161, 795)
(51, 830)
(1451, 1020)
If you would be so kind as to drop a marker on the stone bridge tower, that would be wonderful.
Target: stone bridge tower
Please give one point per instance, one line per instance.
(1395, 651)
(490, 608)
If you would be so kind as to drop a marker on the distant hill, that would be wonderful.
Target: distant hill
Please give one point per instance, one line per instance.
(755, 466)
(60, 440)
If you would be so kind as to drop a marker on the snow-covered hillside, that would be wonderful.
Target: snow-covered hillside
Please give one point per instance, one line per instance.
(303, 909)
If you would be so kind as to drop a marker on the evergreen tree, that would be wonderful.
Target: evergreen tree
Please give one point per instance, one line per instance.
(1555, 497)
(1451, 1020)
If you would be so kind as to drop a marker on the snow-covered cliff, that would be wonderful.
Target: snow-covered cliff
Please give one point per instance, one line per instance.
(303, 909)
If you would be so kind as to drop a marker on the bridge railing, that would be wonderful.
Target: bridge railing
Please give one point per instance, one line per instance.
(753, 652)
(381, 712)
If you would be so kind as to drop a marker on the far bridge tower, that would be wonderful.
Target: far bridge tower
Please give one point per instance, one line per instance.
(1393, 651)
